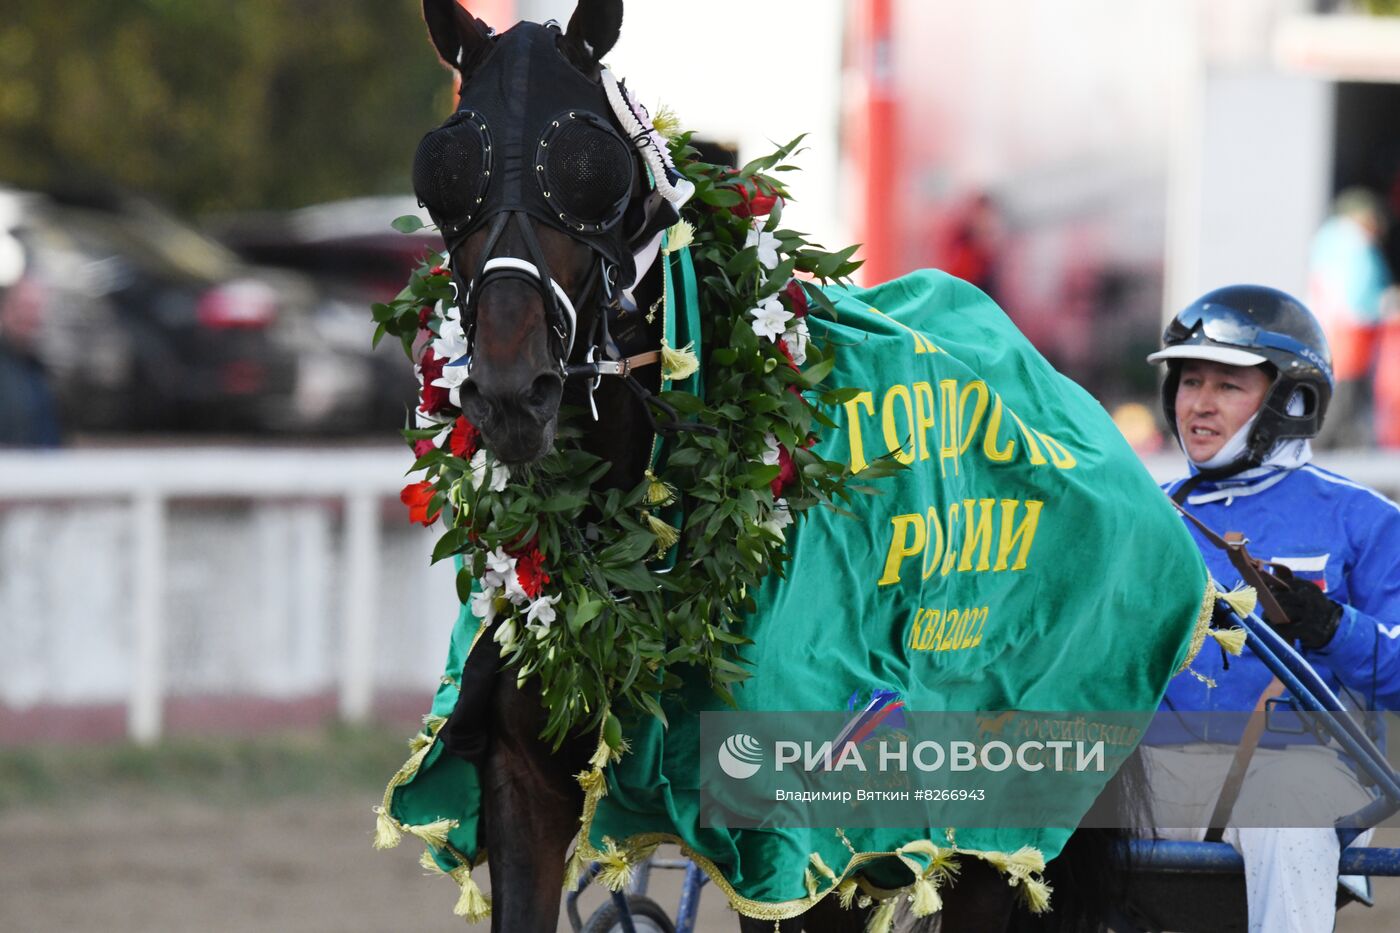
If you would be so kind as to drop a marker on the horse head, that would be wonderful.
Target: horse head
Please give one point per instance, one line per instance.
(535, 189)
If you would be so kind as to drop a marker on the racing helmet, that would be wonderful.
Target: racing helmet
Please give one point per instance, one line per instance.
(1251, 325)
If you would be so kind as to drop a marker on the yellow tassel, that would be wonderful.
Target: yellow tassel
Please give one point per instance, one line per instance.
(430, 864)
(666, 122)
(810, 880)
(434, 833)
(678, 364)
(472, 904)
(1242, 599)
(822, 867)
(658, 492)
(615, 871)
(680, 236)
(419, 742)
(434, 723)
(1037, 894)
(666, 536)
(846, 893)
(1231, 639)
(386, 834)
(592, 781)
(883, 919)
(1026, 860)
(926, 898)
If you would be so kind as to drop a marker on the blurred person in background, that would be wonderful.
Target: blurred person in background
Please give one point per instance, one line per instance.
(1387, 379)
(28, 411)
(1349, 284)
(1247, 385)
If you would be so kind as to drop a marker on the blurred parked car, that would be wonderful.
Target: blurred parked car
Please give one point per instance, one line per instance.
(356, 258)
(153, 325)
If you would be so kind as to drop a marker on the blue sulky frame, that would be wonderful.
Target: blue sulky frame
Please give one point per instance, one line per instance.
(1305, 689)
(1310, 694)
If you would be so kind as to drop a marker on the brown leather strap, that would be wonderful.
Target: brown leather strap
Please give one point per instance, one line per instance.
(1250, 568)
(1239, 767)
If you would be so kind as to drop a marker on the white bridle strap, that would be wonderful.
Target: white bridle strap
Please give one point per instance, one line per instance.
(521, 265)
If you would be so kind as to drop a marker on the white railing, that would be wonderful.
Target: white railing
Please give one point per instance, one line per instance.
(146, 481)
(333, 614)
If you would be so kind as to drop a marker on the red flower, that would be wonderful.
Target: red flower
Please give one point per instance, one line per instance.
(787, 472)
(421, 447)
(437, 270)
(423, 314)
(464, 439)
(757, 202)
(418, 497)
(797, 298)
(787, 352)
(435, 398)
(529, 573)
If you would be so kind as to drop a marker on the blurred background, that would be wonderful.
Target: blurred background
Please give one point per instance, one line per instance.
(215, 621)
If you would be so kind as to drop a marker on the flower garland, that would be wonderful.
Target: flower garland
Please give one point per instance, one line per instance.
(558, 571)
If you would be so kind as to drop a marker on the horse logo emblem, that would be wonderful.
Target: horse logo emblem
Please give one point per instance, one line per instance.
(740, 756)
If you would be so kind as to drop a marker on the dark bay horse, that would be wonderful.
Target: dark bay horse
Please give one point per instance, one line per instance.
(538, 294)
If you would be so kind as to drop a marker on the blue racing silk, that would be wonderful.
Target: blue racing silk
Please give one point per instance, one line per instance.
(1340, 535)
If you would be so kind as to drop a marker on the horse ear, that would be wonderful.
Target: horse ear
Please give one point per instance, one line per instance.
(460, 38)
(593, 31)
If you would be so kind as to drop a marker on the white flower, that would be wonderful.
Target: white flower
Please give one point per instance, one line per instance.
(767, 245)
(500, 570)
(423, 420)
(506, 634)
(770, 319)
(770, 449)
(484, 605)
(796, 338)
(451, 342)
(540, 616)
(779, 519)
(500, 473)
(454, 374)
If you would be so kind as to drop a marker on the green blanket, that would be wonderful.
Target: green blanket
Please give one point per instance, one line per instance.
(1024, 561)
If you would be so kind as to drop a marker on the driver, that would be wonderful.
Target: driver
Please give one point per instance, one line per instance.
(1248, 378)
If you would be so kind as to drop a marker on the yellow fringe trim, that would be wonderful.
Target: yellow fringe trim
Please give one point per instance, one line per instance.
(430, 864)
(883, 919)
(386, 831)
(821, 866)
(472, 904)
(433, 834)
(658, 492)
(593, 781)
(846, 892)
(1037, 895)
(679, 236)
(1242, 599)
(809, 881)
(1232, 639)
(926, 899)
(666, 536)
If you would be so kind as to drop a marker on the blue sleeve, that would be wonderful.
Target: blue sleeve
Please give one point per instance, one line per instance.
(1364, 654)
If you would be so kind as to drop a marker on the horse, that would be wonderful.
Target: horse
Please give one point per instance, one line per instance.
(531, 286)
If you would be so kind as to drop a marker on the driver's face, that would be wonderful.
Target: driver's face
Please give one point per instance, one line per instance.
(1213, 401)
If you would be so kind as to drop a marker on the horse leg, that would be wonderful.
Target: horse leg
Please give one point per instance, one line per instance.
(530, 811)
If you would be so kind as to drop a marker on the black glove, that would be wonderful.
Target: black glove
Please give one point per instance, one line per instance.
(1312, 617)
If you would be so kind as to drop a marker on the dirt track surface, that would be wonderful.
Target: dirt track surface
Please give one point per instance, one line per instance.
(295, 865)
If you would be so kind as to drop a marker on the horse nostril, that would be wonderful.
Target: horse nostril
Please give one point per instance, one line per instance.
(545, 394)
(472, 403)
